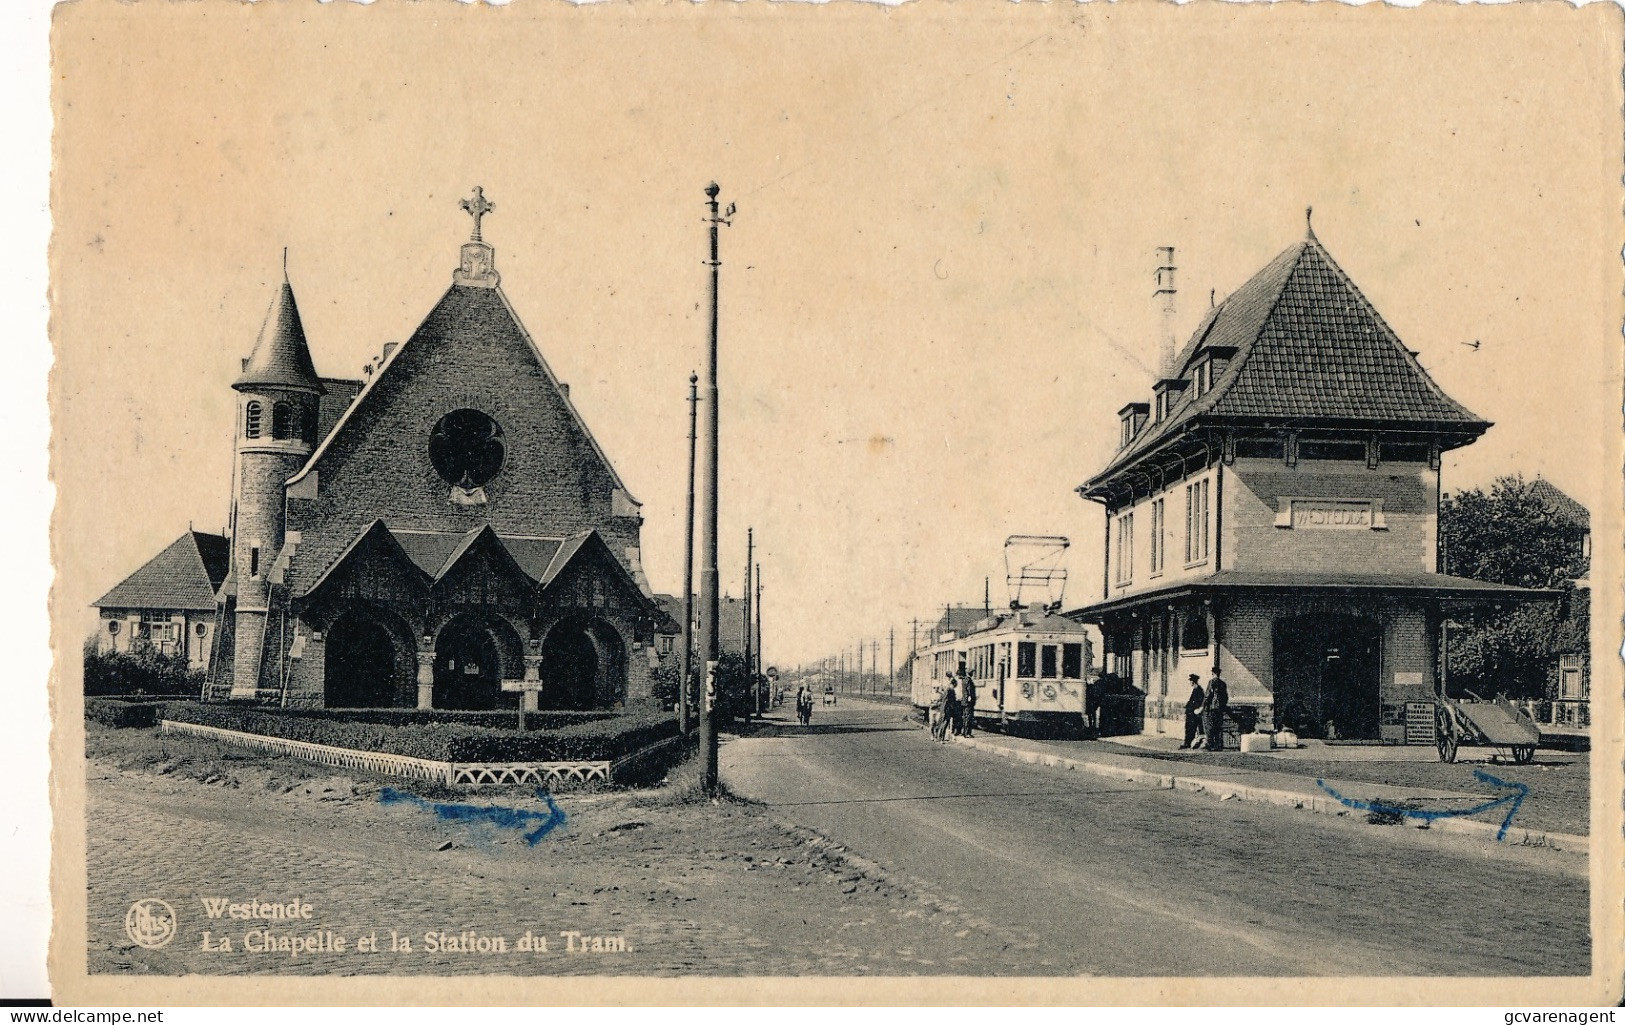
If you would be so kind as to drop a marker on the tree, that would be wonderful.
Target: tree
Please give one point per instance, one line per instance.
(735, 697)
(666, 677)
(1511, 536)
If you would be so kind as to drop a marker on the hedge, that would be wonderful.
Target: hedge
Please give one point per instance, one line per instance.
(123, 714)
(504, 719)
(140, 672)
(453, 741)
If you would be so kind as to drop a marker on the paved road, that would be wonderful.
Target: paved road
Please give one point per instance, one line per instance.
(1114, 879)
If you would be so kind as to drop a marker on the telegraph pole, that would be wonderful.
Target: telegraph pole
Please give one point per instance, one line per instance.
(756, 679)
(750, 562)
(685, 689)
(710, 604)
(891, 659)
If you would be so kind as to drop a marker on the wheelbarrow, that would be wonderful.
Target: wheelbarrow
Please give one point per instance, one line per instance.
(1481, 723)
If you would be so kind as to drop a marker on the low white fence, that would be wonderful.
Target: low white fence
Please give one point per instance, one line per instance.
(451, 773)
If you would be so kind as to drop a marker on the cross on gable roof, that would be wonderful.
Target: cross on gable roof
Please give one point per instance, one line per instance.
(1306, 347)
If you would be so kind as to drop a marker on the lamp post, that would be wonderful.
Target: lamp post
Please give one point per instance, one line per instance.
(710, 605)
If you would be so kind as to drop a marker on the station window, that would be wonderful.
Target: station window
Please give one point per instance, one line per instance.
(1125, 548)
(1159, 544)
(1196, 522)
(1404, 452)
(1072, 661)
(282, 421)
(1026, 660)
(1260, 448)
(1051, 667)
(252, 413)
(1193, 633)
(1343, 450)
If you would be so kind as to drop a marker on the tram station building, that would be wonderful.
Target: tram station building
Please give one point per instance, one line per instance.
(1272, 517)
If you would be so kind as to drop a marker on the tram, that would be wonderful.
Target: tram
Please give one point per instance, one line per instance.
(1030, 666)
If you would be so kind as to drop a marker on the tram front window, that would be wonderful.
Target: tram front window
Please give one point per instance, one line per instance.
(1051, 662)
(1072, 661)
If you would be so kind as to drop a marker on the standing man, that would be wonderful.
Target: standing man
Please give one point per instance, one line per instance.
(1193, 711)
(1218, 700)
(969, 710)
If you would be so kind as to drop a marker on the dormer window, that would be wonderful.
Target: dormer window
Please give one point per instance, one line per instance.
(1209, 365)
(1167, 392)
(1133, 417)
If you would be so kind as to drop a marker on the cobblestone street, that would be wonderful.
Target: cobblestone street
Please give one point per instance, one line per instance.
(687, 887)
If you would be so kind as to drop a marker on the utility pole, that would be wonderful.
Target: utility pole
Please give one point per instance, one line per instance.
(710, 605)
(685, 688)
(760, 698)
(750, 562)
(891, 659)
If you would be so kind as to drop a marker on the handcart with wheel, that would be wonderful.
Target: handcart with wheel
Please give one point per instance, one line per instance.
(1474, 721)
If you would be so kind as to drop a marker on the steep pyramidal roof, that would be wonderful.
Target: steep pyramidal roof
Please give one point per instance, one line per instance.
(281, 357)
(1304, 346)
(1560, 503)
(183, 576)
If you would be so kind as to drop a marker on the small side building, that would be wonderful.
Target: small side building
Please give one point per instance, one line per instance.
(167, 605)
(1272, 517)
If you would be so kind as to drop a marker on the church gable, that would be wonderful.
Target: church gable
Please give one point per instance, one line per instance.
(586, 575)
(373, 568)
(482, 572)
(464, 426)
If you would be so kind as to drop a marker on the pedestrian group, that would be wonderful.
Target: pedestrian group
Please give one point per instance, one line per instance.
(954, 711)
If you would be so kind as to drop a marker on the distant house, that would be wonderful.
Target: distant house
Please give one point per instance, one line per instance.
(959, 620)
(668, 634)
(1569, 687)
(168, 605)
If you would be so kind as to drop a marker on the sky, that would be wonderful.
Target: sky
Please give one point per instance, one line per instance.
(937, 288)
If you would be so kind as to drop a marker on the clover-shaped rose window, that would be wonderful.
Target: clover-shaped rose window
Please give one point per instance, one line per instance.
(466, 448)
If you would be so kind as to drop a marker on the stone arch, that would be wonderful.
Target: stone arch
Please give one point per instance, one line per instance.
(367, 661)
(473, 653)
(584, 664)
(1327, 673)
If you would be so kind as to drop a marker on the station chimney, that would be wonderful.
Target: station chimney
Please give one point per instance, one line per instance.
(1165, 295)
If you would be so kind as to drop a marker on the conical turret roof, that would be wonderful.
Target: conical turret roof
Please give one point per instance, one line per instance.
(281, 358)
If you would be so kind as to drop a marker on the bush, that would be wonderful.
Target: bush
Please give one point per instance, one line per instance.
(123, 714)
(453, 739)
(503, 719)
(144, 671)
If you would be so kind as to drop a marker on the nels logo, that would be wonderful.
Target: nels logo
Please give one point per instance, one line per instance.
(150, 923)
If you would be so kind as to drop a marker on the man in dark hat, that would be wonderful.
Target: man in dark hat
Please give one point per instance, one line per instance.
(1193, 711)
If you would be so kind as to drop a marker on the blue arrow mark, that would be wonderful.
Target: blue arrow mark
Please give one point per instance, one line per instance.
(1512, 802)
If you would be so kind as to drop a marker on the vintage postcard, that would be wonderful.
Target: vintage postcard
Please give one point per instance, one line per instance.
(776, 503)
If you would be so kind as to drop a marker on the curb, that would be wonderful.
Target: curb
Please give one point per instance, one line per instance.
(1324, 804)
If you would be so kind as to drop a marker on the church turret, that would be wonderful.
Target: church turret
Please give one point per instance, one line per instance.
(278, 395)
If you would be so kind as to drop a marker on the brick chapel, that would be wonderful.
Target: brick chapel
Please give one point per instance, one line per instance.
(418, 537)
